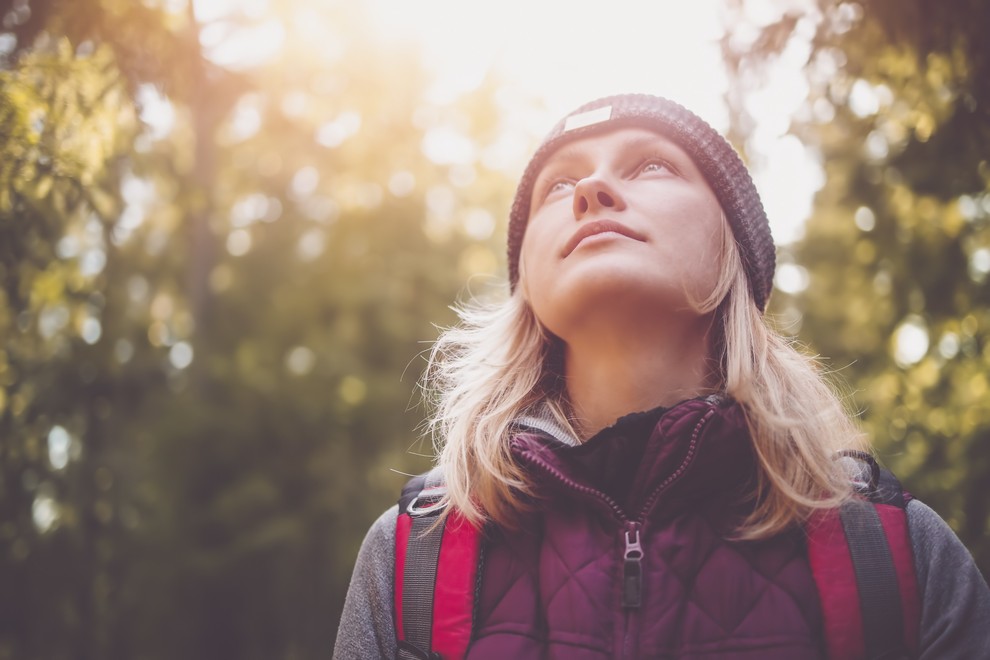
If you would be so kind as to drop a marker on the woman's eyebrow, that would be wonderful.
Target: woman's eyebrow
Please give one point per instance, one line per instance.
(567, 155)
(644, 142)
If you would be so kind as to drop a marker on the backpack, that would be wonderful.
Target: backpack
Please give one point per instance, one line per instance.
(860, 556)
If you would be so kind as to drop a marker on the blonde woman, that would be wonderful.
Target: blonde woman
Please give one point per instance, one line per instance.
(646, 468)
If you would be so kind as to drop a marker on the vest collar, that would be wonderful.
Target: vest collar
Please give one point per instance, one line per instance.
(698, 448)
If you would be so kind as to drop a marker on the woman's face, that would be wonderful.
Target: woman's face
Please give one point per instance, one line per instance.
(619, 218)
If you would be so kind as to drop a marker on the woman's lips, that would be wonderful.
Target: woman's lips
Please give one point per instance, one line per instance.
(599, 227)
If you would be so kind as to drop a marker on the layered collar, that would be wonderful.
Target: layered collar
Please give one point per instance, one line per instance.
(692, 452)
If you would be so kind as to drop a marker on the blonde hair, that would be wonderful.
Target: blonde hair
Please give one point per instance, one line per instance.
(500, 362)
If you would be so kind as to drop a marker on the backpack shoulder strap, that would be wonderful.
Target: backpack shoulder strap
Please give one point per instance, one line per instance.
(436, 569)
(862, 563)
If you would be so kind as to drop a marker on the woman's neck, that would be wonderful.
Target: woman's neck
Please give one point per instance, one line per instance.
(611, 376)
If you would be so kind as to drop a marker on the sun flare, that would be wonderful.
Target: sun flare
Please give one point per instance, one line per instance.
(565, 54)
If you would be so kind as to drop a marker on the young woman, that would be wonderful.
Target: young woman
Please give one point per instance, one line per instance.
(644, 454)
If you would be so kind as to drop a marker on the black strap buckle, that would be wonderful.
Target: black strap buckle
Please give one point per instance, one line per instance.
(407, 651)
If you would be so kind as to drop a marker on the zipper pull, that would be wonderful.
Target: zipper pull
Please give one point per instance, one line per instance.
(632, 569)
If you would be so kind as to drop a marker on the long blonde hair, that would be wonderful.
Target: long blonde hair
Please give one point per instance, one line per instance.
(500, 362)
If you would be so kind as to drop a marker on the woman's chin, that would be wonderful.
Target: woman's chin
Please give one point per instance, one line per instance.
(608, 299)
(613, 277)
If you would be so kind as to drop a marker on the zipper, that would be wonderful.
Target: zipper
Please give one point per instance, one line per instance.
(679, 472)
(560, 477)
(632, 555)
(632, 567)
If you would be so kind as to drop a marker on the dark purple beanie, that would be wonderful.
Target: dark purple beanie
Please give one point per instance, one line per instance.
(714, 156)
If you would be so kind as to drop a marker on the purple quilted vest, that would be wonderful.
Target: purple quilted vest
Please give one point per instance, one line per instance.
(627, 556)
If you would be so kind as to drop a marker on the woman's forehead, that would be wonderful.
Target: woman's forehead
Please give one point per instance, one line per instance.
(618, 141)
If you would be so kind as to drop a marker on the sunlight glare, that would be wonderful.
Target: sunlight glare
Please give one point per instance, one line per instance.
(568, 54)
(248, 47)
(564, 55)
(211, 10)
(445, 146)
(544, 60)
(157, 111)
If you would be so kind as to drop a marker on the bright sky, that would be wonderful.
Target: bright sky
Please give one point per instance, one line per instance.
(568, 53)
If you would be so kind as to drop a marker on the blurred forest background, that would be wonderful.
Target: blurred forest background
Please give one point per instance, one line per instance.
(216, 283)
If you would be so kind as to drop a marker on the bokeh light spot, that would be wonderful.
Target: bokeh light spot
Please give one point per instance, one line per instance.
(44, 512)
(791, 278)
(865, 219)
(300, 360)
(59, 444)
(181, 355)
(353, 390)
(910, 341)
(239, 242)
(401, 183)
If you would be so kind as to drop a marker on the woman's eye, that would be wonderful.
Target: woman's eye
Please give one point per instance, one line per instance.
(654, 166)
(559, 186)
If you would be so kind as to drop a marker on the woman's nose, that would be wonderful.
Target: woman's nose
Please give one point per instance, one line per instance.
(594, 193)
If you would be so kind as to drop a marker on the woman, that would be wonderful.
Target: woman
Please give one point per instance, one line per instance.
(642, 451)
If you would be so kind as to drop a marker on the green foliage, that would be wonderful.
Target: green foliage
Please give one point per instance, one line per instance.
(897, 251)
(210, 331)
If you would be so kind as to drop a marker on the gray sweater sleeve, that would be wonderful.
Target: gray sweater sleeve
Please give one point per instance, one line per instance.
(366, 627)
(955, 601)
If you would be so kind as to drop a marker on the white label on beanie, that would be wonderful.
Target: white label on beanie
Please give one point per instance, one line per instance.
(588, 118)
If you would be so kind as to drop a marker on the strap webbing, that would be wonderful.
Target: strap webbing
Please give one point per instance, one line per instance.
(422, 558)
(876, 578)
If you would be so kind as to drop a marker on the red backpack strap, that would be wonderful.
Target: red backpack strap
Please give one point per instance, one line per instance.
(863, 565)
(436, 570)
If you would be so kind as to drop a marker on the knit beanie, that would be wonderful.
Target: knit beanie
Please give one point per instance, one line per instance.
(718, 161)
